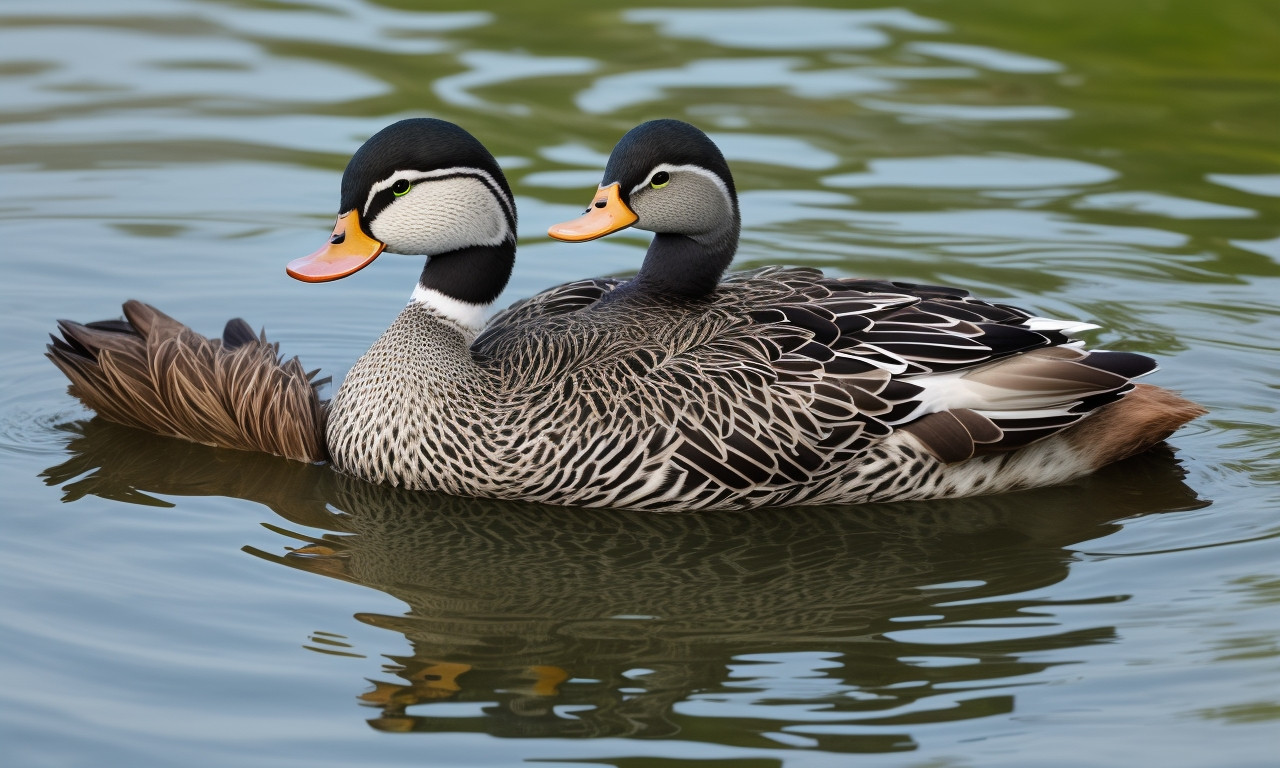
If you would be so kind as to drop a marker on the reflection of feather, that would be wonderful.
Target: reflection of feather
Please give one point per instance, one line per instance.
(126, 464)
(510, 593)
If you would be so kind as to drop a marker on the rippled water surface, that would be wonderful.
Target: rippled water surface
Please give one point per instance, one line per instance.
(170, 604)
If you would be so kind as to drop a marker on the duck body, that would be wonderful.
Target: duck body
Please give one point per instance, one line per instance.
(840, 390)
(774, 389)
(674, 390)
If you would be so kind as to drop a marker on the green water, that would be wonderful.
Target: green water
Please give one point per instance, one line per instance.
(169, 604)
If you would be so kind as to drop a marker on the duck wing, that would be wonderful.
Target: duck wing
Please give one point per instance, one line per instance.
(562, 299)
(777, 384)
(963, 375)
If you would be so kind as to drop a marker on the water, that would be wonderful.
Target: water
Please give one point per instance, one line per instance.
(172, 604)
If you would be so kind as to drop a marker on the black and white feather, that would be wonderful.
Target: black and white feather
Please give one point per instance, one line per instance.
(674, 390)
(679, 390)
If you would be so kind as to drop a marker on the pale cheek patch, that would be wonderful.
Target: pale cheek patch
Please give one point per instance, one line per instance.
(442, 216)
(695, 202)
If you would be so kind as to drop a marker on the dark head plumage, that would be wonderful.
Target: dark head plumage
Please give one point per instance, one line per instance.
(417, 143)
(673, 142)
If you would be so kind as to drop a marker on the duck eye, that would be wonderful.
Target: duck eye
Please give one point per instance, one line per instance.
(400, 188)
(660, 180)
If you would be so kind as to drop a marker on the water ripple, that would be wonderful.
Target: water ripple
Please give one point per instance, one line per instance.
(786, 28)
(1162, 205)
(968, 112)
(100, 67)
(1254, 184)
(614, 92)
(993, 59)
(975, 172)
(491, 67)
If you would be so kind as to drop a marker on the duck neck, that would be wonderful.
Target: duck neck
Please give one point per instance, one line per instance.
(689, 266)
(461, 285)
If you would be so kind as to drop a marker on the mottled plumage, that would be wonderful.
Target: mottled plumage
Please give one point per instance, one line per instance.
(674, 390)
(782, 387)
(808, 388)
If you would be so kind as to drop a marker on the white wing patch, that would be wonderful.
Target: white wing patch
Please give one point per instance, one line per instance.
(1065, 326)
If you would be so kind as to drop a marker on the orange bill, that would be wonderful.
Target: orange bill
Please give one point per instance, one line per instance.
(606, 214)
(349, 250)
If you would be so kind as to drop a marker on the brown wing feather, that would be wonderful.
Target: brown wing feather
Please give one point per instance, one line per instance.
(152, 372)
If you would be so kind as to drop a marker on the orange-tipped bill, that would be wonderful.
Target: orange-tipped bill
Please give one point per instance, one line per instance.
(606, 214)
(349, 250)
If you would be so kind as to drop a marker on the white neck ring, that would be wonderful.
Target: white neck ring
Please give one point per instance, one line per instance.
(470, 317)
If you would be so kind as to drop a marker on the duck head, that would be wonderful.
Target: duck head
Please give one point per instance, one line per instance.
(669, 178)
(423, 187)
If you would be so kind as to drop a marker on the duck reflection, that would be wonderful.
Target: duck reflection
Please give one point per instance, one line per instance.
(546, 621)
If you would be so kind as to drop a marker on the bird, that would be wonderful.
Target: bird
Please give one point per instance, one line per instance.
(664, 392)
(900, 390)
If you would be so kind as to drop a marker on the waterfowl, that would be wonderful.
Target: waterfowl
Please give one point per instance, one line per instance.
(849, 390)
(662, 392)
(424, 408)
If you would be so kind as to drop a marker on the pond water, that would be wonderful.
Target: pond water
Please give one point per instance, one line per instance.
(166, 603)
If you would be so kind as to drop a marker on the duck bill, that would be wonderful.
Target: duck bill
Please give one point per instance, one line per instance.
(607, 213)
(349, 250)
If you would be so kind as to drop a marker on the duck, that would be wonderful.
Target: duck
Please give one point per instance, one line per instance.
(675, 390)
(909, 391)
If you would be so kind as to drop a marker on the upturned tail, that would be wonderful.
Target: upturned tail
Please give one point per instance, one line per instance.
(152, 372)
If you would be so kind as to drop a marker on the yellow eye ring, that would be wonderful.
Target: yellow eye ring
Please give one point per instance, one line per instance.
(660, 180)
(401, 188)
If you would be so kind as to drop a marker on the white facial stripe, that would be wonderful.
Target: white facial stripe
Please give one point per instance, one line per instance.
(673, 169)
(415, 176)
(468, 316)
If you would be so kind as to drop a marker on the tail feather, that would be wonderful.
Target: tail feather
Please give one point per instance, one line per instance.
(152, 372)
(1139, 420)
(1136, 422)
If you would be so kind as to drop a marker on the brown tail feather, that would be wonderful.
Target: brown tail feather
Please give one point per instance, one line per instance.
(154, 373)
(1131, 425)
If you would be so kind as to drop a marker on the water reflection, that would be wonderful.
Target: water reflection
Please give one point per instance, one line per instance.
(791, 75)
(836, 627)
(785, 28)
(1158, 204)
(993, 172)
(82, 67)
(993, 59)
(124, 464)
(492, 67)
(966, 112)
